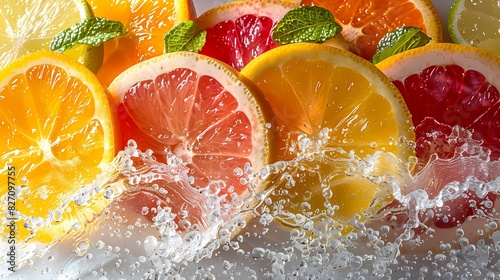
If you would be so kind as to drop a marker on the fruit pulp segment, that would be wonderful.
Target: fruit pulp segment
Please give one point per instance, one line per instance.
(459, 97)
(238, 42)
(365, 22)
(322, 95)
(196, 118)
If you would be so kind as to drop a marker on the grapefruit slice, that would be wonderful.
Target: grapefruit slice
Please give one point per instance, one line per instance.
(239, 31)
(452, 93)
(364, 22)
(445, 85)
(328, 103)
(201, 111)
(57, 134)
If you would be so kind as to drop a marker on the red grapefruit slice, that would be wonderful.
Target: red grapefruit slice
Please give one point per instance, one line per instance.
(239, 31)
(198, 109)
(445, 85)
(452, 93)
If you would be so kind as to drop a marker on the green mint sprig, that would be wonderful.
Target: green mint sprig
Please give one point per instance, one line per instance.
(94, 31)
(306, 24)
(186, 36)
(399, 40)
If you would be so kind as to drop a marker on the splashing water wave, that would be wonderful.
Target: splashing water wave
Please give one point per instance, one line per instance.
(443, 217)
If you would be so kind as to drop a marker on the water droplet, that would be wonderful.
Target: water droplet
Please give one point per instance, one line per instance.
(475, 42)
(145, 210)
(258, 252)
(81, 248)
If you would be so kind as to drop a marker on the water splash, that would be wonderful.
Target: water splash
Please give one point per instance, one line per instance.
(410, 230)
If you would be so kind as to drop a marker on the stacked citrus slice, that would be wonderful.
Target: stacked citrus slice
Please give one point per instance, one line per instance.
(57, 133)
(327, 104)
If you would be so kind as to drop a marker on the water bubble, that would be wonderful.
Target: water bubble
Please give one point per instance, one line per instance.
(56, 216)
(108, 192)
(475, 42)
(258, 252)
(238, 172)
(81, 248)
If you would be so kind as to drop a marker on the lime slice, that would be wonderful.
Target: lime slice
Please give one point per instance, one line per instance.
(476, 23)
(29, 25)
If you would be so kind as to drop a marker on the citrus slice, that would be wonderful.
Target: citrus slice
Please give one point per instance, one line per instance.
(475, 23)
(146, 23)
(200, 111)
(448, 88)
(364, 22)
(341, 103)
(30, 25)
(57, 135)
(445, 85)
(239, 31)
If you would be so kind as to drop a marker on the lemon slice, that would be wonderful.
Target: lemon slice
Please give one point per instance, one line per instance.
(342, 104)
(476, 23)
(30, 25)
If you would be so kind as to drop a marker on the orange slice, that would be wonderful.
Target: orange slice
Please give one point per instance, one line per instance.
(341, 103)
(364, 22)
(201, 111)
(147, 22)
(57, 135)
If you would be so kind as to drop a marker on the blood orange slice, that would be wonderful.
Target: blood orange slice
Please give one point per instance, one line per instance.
(201, 111)
(239, 31)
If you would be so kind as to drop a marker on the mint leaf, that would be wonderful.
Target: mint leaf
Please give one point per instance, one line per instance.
(399, 40)
(94, 31)
(306, 24)
(186, 36)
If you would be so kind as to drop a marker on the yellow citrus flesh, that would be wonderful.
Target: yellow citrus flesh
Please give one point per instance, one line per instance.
(57, 133)
(315, 87)
(476, 23)
(30, 25)
(146, 22)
